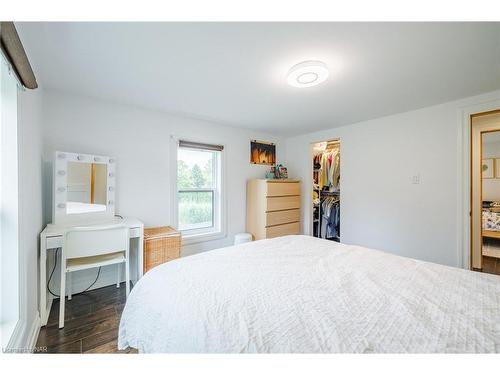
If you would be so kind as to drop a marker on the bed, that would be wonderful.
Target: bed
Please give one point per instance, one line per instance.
(299, 294)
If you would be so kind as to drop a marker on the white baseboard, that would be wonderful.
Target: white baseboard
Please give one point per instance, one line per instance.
(24, 337)
(33, 333)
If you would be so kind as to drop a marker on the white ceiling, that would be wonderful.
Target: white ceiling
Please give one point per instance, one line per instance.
(234, 73)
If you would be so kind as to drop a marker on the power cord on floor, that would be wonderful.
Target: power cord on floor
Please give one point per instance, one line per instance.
(52, 273)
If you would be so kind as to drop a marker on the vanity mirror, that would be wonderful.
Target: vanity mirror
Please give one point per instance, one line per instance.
(84, 187)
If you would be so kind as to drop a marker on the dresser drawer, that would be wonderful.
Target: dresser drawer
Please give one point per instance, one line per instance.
(282, 217)
(279, 189)
(282, 230)
(282, 203)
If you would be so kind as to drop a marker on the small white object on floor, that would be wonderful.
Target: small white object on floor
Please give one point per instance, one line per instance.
(242, 238)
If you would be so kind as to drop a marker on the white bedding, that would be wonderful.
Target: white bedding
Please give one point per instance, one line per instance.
(303, 294)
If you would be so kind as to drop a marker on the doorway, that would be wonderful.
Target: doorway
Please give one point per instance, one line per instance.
(325, 200)
(485, 192)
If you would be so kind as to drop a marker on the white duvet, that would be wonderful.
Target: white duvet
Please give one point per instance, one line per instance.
(303, 294)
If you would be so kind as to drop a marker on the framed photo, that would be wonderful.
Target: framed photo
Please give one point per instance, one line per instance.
(262, 152)
(283, 172)
(487, 168)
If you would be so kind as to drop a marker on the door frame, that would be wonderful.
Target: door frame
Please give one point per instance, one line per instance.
(478, 129)
(464, 117)
(309, 189)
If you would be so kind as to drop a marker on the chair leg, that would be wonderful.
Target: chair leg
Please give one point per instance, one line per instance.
(69, 278)
(119, 266)
(62, 294)
(127, 277)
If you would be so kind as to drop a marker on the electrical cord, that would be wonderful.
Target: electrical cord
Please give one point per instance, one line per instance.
(52, 273)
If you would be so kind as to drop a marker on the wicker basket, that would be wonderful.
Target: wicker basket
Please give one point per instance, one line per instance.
(161, 244)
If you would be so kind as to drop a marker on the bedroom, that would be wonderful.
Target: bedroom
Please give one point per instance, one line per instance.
(172, 178)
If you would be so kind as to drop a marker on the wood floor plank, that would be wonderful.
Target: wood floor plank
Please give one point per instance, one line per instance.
(110, 347)
(91, 323)
(73, 323)
(490, 265)
(72, 347)
(61, 336)
(99, 339)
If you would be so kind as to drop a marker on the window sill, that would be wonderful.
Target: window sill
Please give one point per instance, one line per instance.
(189, 239)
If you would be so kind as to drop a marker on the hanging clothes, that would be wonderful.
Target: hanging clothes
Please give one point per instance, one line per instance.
(334, 170)
(329, 168)
(330, 218)
(323, 174)
(326, 189)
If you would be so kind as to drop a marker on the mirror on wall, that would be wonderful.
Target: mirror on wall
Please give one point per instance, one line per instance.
(86, 187)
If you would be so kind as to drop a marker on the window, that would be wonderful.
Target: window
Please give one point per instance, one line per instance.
(9, 232)
(199, 193)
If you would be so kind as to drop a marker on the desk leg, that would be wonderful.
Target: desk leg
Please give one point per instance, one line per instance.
(43, 283)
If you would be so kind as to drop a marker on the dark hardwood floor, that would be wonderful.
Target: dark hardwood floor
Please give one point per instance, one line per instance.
(91, 323)
(491, 265)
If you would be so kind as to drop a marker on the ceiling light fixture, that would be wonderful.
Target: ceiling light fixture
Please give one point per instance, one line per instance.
(307, 74)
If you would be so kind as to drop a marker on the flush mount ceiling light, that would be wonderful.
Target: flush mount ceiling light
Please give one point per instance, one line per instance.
(307, 74)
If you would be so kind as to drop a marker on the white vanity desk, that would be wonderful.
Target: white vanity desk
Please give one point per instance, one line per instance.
(84, 189)
(51, 239)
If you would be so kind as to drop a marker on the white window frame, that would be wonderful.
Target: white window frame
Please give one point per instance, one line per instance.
(218, 230)
(12, 299)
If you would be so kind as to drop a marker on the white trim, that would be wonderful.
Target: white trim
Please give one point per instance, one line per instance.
(202, 237)
(463, 187)
(16, 338)
(12, 71)
(33, 333)
(24, 338)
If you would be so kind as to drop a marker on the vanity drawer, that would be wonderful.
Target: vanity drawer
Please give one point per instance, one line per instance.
(283, 230)
(282, 203)
(282, 217)
(280, 189)
(135, 232)
(54, 242)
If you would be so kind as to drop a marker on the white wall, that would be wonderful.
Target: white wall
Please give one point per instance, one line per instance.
(380, 207)
(140, 140)
(491, 186)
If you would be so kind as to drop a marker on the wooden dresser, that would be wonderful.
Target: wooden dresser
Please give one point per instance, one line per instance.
(273, 208)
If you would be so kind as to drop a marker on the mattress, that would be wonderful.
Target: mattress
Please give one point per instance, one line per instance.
(299, 294)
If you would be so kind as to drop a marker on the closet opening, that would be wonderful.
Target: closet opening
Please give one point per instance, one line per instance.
(326, 190)
(485, 192)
